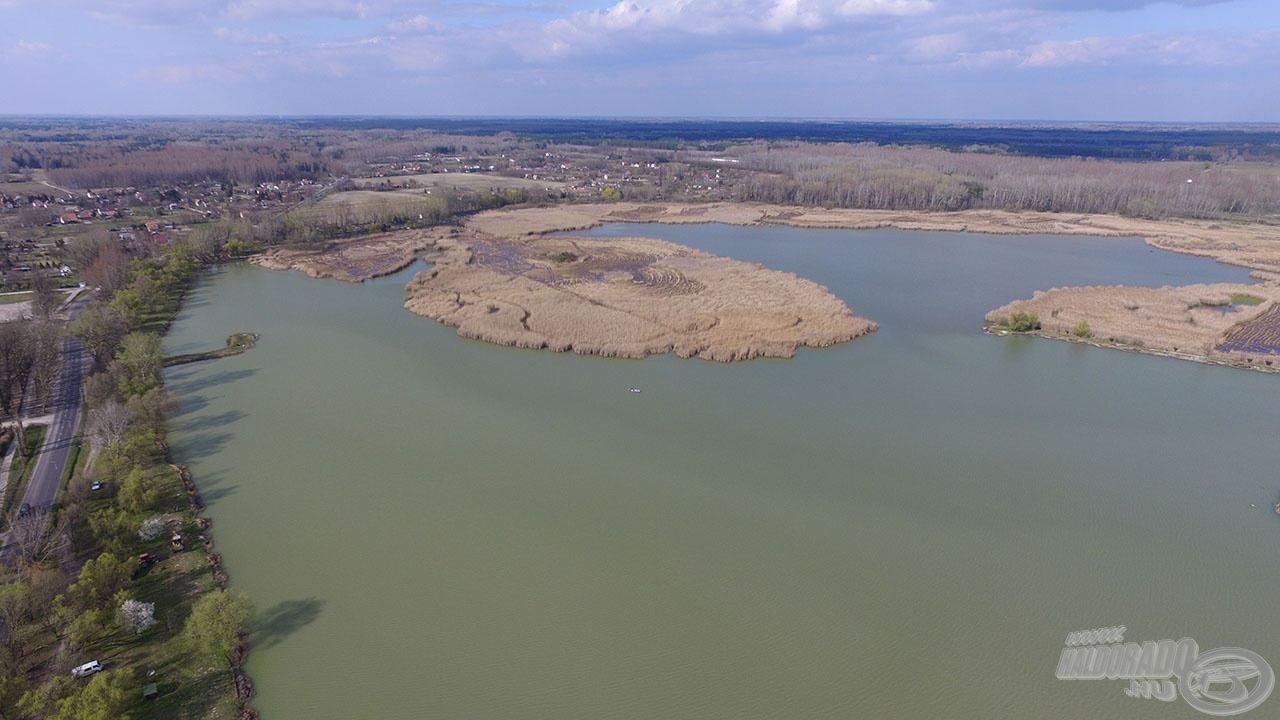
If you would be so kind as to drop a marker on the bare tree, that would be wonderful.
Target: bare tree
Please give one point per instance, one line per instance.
(17, 361)
(47, 297)
(109, 423)
(29, 535)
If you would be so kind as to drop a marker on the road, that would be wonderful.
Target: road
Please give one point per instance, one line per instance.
(52, 459)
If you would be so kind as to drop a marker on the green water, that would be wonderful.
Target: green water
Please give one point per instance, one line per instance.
(903, 527)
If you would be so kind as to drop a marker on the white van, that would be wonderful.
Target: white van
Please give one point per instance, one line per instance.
(86, 669)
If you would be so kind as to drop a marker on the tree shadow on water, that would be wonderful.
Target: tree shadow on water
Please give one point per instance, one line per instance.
(181, 385)
(208, 422)
(213, 486)
(201, 445)
(272, 626)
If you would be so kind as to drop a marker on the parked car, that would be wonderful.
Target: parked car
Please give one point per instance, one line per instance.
(86, 669)
(24, 510)
(96, 486)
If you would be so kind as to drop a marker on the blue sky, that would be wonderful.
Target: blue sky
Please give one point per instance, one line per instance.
(1191, 60)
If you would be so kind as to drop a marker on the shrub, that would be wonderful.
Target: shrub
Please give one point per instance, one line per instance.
(1082, 329)
(1022, 322)
(564, 257)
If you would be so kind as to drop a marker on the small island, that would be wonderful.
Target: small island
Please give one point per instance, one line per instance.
(236, 343)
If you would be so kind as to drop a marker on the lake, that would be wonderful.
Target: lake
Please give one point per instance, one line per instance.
(906, 526)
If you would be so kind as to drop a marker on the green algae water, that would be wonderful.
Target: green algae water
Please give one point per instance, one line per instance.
(907, 526)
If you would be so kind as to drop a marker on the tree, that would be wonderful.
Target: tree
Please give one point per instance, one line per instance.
(109, 268)
(18, 352)
(105, 697)
(141, 358)
(29, 352)
(15, 611)
(152, 408)
(108, 424)
(29, 535)
(100, 578)
(47, 297)
(216, 622)
(137, 617)
(136, 493)
(131, 305)
(40, 701)
(101, 328)
(100, 387)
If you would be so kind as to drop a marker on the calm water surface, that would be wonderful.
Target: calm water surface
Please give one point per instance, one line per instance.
(902, 527)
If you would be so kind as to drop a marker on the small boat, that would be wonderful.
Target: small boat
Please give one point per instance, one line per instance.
(636, 390)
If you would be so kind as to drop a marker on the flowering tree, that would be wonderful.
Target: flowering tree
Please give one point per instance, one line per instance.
(137, 616)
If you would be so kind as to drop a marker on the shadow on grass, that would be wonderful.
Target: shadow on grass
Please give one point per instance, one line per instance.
(272, 626)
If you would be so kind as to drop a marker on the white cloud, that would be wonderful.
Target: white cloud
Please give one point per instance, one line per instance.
(414, 25)
(236, 36)
(26, 49)
(1203, 50)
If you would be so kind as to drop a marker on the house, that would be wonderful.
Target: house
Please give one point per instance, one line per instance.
(65, 271)
(68, 216)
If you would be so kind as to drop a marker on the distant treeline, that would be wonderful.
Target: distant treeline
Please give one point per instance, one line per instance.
(322, 222)
(186, 163)
(1116, 141)
(895, 178)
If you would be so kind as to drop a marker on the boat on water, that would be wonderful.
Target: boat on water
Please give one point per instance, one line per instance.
(636, 390)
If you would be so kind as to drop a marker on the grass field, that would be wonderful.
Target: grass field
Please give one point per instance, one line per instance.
(11, 298)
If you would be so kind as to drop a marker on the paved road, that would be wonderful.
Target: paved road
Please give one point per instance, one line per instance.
(52, 460)
(57, 441)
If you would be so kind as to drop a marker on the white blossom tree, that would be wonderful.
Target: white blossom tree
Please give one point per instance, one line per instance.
(137, 616)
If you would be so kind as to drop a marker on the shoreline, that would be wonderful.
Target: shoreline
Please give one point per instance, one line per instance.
(1251, 245)
(241, 682)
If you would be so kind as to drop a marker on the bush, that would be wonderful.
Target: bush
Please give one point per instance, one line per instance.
(1022, 322)
(564, 257)
(1082, 329)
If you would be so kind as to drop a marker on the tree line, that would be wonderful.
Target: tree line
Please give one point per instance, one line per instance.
(914, 178)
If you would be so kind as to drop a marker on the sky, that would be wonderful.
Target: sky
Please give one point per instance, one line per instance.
(1120, 60)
